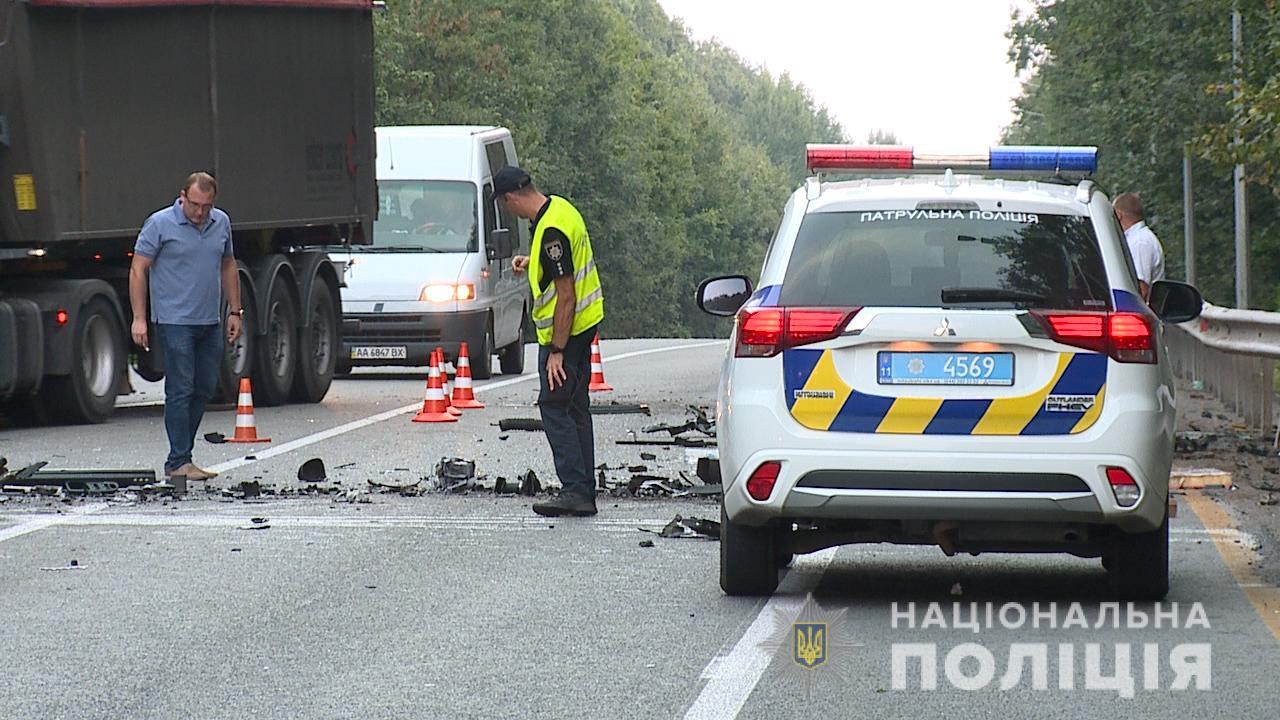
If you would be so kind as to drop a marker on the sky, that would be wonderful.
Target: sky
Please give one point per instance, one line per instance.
(935, 73)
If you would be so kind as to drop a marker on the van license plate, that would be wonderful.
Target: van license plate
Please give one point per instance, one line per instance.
(380, 352)
(944, 368)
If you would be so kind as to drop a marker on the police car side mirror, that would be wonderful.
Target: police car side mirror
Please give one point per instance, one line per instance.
(724, 295)
(1175, 302)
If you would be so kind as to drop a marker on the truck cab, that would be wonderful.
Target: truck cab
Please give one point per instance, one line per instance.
(438, 272)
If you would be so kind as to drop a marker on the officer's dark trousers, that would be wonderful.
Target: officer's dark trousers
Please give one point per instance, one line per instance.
(566, 416)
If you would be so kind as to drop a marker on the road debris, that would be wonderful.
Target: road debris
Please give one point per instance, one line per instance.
(312, 471)
(646, 543)
(688, 527)
(529, 424)
(216, 438)
(455, 475)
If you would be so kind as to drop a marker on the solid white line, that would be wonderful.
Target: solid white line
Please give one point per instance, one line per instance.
(45, 521)
(731, 678)
(380, 417)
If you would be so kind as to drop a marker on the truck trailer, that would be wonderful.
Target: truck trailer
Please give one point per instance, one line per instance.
(105, 107)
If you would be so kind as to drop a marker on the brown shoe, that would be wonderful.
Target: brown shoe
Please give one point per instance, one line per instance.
(191, 472)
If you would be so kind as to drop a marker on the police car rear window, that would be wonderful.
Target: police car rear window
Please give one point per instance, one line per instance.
(907, 258)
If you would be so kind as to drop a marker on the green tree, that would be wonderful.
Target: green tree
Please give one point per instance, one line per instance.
(679, 156)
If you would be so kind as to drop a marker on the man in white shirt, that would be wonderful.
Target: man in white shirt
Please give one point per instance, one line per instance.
(1144, 246)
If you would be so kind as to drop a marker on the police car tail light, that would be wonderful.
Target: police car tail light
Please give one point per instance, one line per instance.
(1125, 336)
(1131, 338)
(760, 484)
(1123, 486)
(765, 332)
(1015, 159)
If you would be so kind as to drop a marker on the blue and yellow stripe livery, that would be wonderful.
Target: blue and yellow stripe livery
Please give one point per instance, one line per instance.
(820, 399)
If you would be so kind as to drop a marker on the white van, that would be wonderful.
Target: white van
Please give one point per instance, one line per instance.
(438, 272)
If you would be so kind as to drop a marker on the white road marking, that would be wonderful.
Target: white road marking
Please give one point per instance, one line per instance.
(41, 522)
(380, 417)
(731, 678)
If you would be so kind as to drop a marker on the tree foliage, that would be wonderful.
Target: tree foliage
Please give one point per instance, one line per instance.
(678, 155)
(1145, 80)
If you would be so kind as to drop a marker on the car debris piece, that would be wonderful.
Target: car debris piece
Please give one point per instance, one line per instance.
(503, 486)
(216, 438)
(256, 527)
(258, 520)
(689, 527)
(406, 487)
(312, 471)
(530, 424)
(646, 543)
(707, 490)
(709, 470)
(698, 422)
(617, 408)
(455, 474)
(529, 483)
(648, 456)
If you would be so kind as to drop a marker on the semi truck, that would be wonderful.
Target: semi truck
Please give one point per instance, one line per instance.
(105, 107)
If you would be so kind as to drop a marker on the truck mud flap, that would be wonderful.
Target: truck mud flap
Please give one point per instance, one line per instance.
(21, 347)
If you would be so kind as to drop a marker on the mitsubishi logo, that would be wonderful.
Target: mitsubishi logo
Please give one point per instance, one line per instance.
(944, 329)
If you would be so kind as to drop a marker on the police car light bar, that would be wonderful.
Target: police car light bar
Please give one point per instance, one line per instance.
(1001, 159)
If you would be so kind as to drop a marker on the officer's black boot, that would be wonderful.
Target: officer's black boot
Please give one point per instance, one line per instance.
(567, 504)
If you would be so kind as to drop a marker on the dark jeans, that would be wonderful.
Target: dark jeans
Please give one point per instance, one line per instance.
(192, 355)
(566, 416)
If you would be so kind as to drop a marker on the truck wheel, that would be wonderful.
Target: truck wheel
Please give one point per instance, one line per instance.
(318, 347)
(88, 394)
(482, 356)
(748, 559)
(276, 354)
(511, 357)
(1138, 564)
(237, 362)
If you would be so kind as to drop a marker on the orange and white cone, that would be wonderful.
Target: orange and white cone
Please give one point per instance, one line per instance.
(597, 368)
(463, 395)
(433, 408)
(444, 379)
(246, 425)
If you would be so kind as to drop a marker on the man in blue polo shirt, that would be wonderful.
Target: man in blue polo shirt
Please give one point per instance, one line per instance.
(184, 261)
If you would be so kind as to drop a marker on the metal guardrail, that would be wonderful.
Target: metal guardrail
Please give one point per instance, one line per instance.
(1230, 354)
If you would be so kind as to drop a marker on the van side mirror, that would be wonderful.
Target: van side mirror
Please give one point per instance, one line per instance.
(1175, 302)
(499, 245)
(724, 295)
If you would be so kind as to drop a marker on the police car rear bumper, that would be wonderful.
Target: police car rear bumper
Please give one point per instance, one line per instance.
(1062, 479)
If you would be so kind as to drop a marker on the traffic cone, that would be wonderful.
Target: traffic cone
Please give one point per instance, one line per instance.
(444, 378)
(597, 368)
(433, 408)
(246, 425)
(463, 396)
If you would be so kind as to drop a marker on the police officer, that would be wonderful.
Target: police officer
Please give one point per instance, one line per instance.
(567, 306)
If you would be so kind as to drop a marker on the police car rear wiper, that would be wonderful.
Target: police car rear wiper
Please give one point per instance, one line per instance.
(981, 294)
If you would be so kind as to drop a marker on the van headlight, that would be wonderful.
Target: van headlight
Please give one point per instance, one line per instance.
(447, 292)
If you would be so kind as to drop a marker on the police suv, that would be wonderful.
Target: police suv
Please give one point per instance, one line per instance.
(939, 353)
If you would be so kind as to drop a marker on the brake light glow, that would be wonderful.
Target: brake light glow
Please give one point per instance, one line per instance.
(61, 317)
(1008, 159)
(1125, 336)
(765, 332)
(1123, 486)
(760, 484)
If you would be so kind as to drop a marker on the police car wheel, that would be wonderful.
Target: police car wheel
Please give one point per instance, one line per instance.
(1139, 564)
(748, 558)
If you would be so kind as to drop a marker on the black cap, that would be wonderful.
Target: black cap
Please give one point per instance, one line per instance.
(510, 179)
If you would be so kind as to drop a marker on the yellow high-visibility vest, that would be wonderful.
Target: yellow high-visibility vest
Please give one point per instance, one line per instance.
(589, 310)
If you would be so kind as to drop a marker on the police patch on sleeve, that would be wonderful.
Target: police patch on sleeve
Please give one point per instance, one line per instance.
(554, 250)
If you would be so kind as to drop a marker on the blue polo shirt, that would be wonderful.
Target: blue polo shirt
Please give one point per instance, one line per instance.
(186, 270)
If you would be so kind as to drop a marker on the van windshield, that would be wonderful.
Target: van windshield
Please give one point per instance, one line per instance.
(951, 258)
(430, 215)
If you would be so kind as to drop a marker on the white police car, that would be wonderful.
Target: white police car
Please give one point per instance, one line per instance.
(947, 356)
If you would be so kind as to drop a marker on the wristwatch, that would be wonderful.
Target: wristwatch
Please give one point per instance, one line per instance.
(239, 312)
(556, 348)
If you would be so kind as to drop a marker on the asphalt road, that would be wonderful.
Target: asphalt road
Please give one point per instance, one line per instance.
(471, 606)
